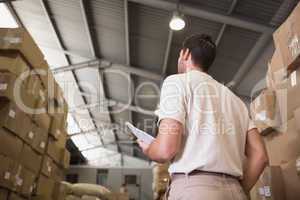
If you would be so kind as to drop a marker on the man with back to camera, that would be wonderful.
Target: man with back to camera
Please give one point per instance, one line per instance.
(205, 132)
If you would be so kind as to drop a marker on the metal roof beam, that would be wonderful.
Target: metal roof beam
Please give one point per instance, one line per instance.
(221, 33)
(252, 57)
(14, 14)
(87, 28)
(167, 53)
(201, 13)
(59, 42)
(116, 103)
(107, 65)
(127, 39)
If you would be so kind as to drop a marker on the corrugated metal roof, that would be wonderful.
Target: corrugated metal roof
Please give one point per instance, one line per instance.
(107, 22)
(69, 21)
(231, 52)
(148, 36)
(264, 9)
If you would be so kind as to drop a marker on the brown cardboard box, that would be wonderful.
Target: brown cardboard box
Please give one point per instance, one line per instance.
(45, 187)
(41, 139)
(264, 111)
(288, 101)
(18, 39)
(34, 85)
(48, 166)
(13, 63)
(54, 151)
(297, 118)
(3, 194)
(270, 185)
(7, 83)
(28, 182)
(60, 191)
(7, 172)
(57, 126)
(30, 159)
(66, 157)
(62, 140)
(277, 72)
(29, 135)
(283, 147)
(46, 76)
(14, 196)
(291, 180)
(58, 173)
(42, 119)
(118, 196)
(11, 146)
(287, 38)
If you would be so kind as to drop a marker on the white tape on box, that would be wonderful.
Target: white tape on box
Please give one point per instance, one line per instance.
(294, 78)
(12, 114)
(267, 190)
(3, 86)
(42, 145)
(31, 135)
(12, 40)
(294, 46)
(261, 191)
(6, 175)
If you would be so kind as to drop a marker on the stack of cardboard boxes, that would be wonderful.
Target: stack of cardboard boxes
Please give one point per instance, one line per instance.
(33, 116)
(277, 114)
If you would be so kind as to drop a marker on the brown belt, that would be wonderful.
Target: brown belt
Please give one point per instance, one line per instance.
(199, 172)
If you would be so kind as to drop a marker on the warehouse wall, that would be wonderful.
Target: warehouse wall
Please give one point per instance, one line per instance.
(116, 178)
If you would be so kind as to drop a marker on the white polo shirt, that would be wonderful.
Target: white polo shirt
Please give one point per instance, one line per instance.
(216, 123)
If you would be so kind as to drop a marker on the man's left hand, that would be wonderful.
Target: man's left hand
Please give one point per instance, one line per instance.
(144, 146)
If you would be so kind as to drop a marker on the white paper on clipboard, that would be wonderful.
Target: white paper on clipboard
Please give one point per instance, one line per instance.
(141, 135)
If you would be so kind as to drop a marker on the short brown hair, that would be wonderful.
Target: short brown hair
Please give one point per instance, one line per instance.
(202, 48)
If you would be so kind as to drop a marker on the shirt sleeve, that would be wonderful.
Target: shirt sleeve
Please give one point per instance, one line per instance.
(251, 125)
(172, 100)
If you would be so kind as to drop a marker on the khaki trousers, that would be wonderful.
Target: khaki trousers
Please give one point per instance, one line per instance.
(205, 187)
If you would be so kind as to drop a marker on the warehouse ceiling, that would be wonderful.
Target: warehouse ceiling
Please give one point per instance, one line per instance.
(111, 56)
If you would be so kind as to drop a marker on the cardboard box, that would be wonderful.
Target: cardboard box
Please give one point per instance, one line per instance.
(297, 118)
(264, 111)
(7, 172)
(48, 166)
(30, 159)
(3, 194)
(62, 140)
(28, 182)
(41, 117)
(66, 157)
(288, 101)
(291, 180)
(58, 173)
(28, 134)
(40, 143)
(118, 196)
(277, 72)
(34, 85)
(270, 185)
(45, 187)
(287, 39)
(54, 151)
(13, 62)
(14, 196)
(57, 126)
(60, 191)
(283, 147)
(46, 76)
(11, 146)
(18, 39)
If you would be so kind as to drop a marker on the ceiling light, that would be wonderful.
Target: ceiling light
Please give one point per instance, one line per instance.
(177, 23)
